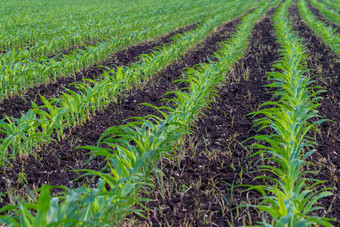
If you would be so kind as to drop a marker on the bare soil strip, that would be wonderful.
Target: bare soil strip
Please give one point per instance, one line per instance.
(198, 185)
(55, 162)
(324, 63)
(22, 103)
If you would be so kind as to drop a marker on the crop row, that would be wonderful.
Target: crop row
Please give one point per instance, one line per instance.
(327, 33)
(292, 197)
(55, 39)
(134, 149)
(329, 13)
(332, 4)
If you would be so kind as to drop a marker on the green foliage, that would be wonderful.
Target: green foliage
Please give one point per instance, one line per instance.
(327, 33)
(333, 5)
(331, 14)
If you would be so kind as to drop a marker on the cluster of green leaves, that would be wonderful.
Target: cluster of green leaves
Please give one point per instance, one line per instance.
(19, 71)
(329, 13)
(327, 33)
(293, 195)
(133, 150)
(72, 109)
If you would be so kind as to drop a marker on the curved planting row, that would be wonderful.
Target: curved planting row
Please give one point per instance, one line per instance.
(134, 149)
(331, 14)
(292, 198)
(41, 50)
(55, 163)
(328, 34)
(332, 4)
(44, 34)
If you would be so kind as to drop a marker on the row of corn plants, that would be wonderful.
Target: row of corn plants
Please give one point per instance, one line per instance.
(14, 14)
(16, 76)
(96, 29)
(72, 109)
(37, 27)
(133, 151)
(283, 154)
(42, 49)
(331, 14)
(327, 33)
(332, 4)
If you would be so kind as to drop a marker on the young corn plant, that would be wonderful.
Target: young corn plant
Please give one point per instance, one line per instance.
(293, 196)
(132, 151)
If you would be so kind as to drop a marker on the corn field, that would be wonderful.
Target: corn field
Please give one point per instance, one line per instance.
(170, 113)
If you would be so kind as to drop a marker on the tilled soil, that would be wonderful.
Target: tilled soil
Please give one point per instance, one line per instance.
(199, 187)
(54, 162)
(325, 64)
(322, 18)
(18, 104)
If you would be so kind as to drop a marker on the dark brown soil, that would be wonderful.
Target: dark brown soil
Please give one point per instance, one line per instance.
(214, 159)
(55, 161)
(322, 18)
(18, 104)
(325, 63)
